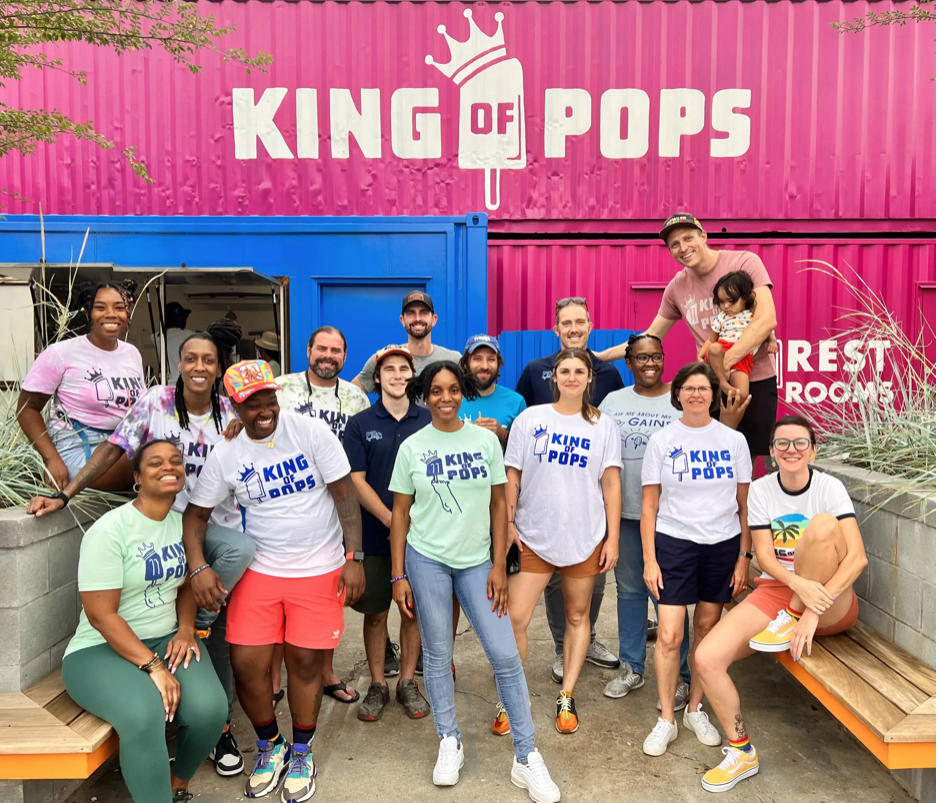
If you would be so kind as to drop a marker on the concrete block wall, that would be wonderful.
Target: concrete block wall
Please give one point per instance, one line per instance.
(897, 588)
(39, 602)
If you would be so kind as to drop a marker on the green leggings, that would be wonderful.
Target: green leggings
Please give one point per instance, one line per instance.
(110, 687)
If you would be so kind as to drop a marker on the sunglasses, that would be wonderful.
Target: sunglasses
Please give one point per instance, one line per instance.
(566, 302)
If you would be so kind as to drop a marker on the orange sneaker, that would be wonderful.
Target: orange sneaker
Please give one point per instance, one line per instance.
(203, 633)
(500, 725)
(567, 720)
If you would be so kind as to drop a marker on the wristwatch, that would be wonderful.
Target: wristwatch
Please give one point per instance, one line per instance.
(744, 554)
(358, 557)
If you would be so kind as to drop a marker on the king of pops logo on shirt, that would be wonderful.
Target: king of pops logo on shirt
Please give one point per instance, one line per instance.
(276, 480)
(565, 450)
(701, 464)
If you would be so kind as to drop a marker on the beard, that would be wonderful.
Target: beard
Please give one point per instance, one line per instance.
(485, 384)
(419, 331)
(326, 369)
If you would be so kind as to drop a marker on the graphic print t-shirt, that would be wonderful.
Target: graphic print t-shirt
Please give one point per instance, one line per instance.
(91, 385)
(690, 297)
(787, 514)
(698, 469)
(333, 406)
(281, 484)
(154, 417)
(144, 559)
(561, 515)
(638, 418)
(451, 475)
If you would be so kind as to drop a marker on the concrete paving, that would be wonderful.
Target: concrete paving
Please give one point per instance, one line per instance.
(804, 752)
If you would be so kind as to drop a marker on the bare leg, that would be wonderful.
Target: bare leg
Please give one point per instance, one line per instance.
(251, 666)
(524, 588)
(577, 595)
(276, 669)
(374, 633)
(715, 358)
(820, 551)
(306, 671)
(740, 381)
(706, 615)
(668, 655)
(410, 648)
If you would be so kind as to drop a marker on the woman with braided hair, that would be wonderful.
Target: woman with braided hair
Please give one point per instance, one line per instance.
(195, 416)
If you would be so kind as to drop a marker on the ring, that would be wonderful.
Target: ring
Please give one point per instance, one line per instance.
(190, 649)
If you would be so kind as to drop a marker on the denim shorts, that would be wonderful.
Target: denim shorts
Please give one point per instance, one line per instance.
(75, 445)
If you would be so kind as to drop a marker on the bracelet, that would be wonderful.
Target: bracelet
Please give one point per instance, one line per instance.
(150, 665)
(201, 568)
(399, 577)
(61, 495)
(744, 554)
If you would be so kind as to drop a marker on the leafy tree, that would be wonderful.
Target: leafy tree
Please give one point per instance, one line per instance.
(919, 11)
(122, 25)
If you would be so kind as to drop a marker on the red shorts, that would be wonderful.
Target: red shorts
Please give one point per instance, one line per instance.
(303, 611)
(744, 365)
(770, 596)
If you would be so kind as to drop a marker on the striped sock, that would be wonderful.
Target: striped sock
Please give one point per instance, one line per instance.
(796, 615)
(741, 744)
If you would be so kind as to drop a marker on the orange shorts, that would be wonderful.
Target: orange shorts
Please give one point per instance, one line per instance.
(770, 596)
(303, 611)
(532, 562)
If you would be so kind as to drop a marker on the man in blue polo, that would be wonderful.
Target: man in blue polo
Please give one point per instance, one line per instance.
(372, 439)
(497, 406)
(572, 325)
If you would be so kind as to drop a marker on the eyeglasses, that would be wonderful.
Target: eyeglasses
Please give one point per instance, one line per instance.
(566, 302)
(644, 359)
(699, 390)
(800, 444)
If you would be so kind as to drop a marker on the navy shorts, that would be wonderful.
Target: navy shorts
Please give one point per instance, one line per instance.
(692, 572)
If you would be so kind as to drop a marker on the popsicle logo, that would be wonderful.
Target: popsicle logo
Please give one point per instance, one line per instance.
(491, 103)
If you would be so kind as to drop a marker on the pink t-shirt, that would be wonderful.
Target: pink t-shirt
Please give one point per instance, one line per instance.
(690, 297)
(88, 384)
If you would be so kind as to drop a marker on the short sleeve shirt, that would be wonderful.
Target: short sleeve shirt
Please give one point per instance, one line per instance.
(535, 387)
(372, 440)
(699, 470)
(90, 385)
(787, 514)
(502, 404)
(450, 475)
(333, 406)
(730, 327)
(560, 513)
(144, 559)
(154, 417)
(366, 377)
(690, 297)
(282, 485)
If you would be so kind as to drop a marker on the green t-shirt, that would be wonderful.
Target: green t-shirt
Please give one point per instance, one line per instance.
(144, 559)
(450, 475)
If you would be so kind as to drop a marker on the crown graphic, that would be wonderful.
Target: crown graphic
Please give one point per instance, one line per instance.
(95, 374)
(145, 550)
(538, 431)
(675, 452)
(474, 53)
(246, 471)
(429, 457)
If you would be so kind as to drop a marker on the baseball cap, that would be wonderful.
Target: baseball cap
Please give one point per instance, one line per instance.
(245, 378)
(675, 221)
(476, 341)
(389, 351)
(416, 297)
(174, 309)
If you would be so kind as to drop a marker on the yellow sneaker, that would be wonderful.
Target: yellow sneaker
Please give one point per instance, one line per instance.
(777, 636)
(567, 720)
(735, 766)
(500, 725)
(203, 633)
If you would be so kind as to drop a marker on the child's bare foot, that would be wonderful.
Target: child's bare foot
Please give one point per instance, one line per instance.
(728, 389)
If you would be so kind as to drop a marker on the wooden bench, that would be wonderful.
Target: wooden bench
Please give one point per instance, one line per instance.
(879, 692)
(44, 734)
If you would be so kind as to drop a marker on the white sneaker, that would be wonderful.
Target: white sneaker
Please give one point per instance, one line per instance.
(598, 654)
(656, 743)
(681, 696)
(534, 777)
(449, 762)
(700, 724)
(623, 683)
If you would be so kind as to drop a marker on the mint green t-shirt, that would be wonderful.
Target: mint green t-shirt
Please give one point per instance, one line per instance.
(144, 559)
(450, 475)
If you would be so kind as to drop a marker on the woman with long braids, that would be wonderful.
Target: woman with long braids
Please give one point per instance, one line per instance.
(194, 415)
(92, 381)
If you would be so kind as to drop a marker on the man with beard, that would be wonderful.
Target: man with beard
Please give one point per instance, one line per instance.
(497, 406)
(318, 391)
(418, 320)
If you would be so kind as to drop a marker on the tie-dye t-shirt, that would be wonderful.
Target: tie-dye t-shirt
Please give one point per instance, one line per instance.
(450, 475)
(142, 557)
(154, 417)
(333, 406)
(787, 513)
(88, 384)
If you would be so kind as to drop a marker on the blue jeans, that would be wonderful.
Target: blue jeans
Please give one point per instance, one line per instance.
(433, 584)
(229, 553)
(632, 602)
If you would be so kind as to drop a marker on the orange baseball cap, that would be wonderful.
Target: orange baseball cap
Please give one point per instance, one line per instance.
(245, 378)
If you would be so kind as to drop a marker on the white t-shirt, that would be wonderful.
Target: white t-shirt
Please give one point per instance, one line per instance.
(698, 469)
(560, 512)
(281, 484)
(154, 417)
(787, 514)
(638, 418)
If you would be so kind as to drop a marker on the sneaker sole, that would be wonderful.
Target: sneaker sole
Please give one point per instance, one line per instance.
(531, 794)
(725, 787)
(566, 733)
(768, 647)
(676, 708)
(274, 784)
(447, 781)
(620, 696)
(716, 739)
(555, 677)
(614, 664)
(655, 755)
(368, 717)
(500, 732)
(227, 773)
(417, 715)
(306, 796)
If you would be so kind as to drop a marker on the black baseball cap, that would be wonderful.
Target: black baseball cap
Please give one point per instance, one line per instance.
(416, 297)
(676, 221)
